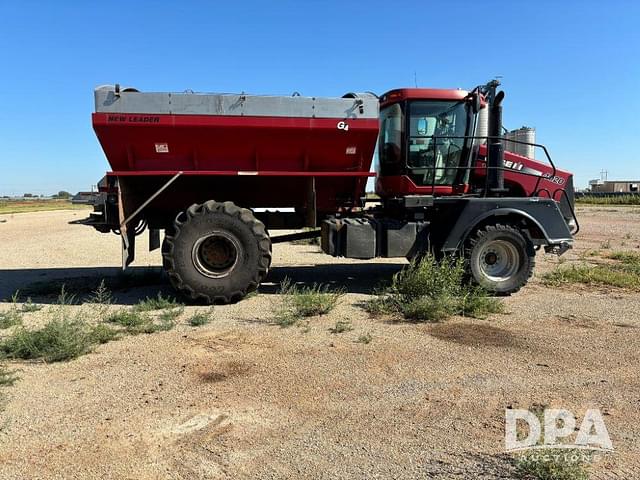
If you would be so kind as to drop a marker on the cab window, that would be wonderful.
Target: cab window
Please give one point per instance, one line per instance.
(434, 151)
(390, 140)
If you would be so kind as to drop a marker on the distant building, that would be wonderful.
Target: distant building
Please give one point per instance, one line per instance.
(615, 186)
(83, 198)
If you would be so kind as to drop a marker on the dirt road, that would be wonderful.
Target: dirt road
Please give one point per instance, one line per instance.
(244, 398)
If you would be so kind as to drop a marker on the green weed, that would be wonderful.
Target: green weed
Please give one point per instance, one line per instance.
(102, 333)
(301, 302)
(632, 258)
(551, 464)
(157, 303)
(200, 318)
(431, 290)
(341, 326)
(10, 318)
(129, 319)
(365, 338)
(87, 286)
(7, 377)
(101, 295)
(170, 315)
(65, 298)
(13, 316)
(624, 272)
(29, 306)
(60, 339)
(135, 322)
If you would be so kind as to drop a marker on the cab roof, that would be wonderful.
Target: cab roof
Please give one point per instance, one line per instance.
(400, 94)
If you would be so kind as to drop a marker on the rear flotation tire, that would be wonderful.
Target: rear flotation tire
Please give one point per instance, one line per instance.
(190, 271)
(500, 258)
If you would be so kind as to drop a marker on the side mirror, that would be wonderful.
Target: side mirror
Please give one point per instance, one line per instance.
(422, 126)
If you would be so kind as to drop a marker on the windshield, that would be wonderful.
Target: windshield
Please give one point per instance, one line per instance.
(432, 157)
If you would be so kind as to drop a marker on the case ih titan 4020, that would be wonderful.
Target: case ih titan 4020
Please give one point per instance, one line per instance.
(220, 173)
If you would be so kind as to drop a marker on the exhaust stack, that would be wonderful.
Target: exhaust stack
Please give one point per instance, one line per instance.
(495, 147)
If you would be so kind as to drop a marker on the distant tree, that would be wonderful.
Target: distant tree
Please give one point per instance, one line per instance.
(62, 194)
(28, 195)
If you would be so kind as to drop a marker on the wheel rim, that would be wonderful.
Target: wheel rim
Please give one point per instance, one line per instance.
(216, 254)
(499, 260)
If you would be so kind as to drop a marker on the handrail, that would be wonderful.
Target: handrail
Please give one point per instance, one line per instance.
(571, 209)
(434, 168)
(544, 190)
(536, 191)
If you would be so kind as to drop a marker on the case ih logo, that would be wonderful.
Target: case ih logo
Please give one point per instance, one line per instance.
(513, 165)
(133, 118)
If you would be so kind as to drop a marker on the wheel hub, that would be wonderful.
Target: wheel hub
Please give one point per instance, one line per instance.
(215, 255)
(499, 260)
(491, 258)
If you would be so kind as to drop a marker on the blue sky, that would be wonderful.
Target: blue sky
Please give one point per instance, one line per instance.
(571, 69)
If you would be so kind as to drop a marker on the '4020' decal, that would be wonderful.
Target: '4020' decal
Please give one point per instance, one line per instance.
(553, 178)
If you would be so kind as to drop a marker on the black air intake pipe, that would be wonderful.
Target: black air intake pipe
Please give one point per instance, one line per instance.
(495, 148)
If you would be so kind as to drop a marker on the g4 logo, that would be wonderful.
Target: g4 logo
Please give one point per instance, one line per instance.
(343, 126)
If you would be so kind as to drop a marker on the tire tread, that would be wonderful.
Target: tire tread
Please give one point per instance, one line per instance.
(499, 227)
(226, 208)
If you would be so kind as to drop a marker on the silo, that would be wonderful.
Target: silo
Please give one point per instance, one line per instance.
(482, 126)
(510, 146)
(522, 134)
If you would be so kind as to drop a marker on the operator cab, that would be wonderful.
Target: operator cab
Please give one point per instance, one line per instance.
(423, 144)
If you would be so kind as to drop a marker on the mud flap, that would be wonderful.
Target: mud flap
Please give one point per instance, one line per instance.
(128, 236)
(128, 247)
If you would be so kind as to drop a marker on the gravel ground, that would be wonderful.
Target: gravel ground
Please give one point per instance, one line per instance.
(243, 398)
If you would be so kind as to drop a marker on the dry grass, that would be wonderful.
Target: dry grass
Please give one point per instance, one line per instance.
(37, 205)
(632, 258)
(612, 200)
(623, 272)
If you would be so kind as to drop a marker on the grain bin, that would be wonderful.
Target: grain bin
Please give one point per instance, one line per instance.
(482, 126)
(522, 134)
